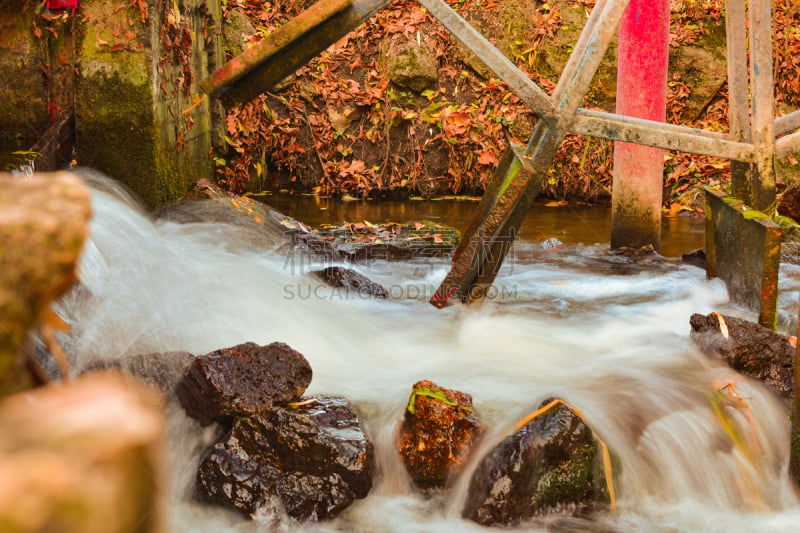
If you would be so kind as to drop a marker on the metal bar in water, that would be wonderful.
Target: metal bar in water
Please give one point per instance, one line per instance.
(484, 245)
(518, 82)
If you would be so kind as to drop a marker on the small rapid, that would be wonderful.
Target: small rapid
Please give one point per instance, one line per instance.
(609, 337)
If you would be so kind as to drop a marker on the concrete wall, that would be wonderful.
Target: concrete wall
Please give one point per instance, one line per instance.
(130, 75)
(138, 75)
(24, 115)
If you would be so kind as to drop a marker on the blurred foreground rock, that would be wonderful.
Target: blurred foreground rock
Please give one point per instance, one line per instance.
(44, 221)
(243, 380)
(552, 464)
(311, 460)
(748, 348)
(82, 457)
(439, 432)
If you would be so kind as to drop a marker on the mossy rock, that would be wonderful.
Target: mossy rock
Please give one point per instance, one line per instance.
(235, 28)
(413, 66)
(552, 464)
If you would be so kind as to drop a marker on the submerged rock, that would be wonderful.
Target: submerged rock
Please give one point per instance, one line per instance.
(695, 258)
(243, 380)
(364, 241)
(748, 348)
(351, 280)
(439, 432)
(313, 460)
(162, 370)
(789, 203)
(550, 465)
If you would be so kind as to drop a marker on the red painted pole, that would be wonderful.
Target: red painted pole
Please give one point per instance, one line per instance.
(641, 93)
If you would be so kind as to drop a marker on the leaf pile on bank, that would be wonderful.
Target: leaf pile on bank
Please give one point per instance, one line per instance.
(341, 125)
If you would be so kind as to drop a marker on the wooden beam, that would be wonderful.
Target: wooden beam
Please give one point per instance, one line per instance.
(578, 52)
(788, 145)
(787, 123)
(659, 134)
(572, 87)
(742, 174)
(762, 92)
(517, 180)
(291, 46)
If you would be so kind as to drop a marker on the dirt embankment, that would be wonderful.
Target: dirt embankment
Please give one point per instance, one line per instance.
(400, 107)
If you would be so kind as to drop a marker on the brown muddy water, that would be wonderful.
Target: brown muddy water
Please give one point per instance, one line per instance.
(571, 224)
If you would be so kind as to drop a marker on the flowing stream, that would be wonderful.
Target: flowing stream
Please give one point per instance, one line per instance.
(608, 336)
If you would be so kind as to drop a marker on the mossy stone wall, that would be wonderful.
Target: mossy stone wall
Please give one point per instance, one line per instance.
(24, 100)
(135, 98)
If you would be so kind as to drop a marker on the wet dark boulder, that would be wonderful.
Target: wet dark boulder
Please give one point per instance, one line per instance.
(550, 465)
(352, 281)
(242, 380)
(789, 203)
(439, 431)
(695, 258)
(748, 348)
(313, 460)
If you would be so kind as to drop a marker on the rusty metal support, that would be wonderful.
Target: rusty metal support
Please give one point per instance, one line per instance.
(294, 44)
(488, 238)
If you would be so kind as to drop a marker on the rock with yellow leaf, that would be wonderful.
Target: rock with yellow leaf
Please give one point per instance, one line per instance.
(439, 432)
(551, 465)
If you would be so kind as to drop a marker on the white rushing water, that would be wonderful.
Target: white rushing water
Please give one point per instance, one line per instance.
(611, 339)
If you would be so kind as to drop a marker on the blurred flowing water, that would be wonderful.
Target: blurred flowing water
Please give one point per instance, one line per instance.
(608, 336)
